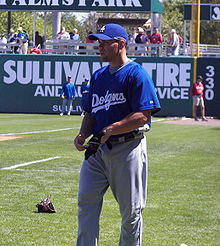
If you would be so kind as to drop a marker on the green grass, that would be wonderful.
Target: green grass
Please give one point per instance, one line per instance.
(183, 189)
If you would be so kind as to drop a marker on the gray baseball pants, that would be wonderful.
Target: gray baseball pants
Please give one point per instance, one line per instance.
(68, 103)
(124, 169)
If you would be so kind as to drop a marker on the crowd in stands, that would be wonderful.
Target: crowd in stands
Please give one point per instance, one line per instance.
(140, 39)
(154, 41)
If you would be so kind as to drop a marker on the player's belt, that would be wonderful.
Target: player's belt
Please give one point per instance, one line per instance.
(124, 138)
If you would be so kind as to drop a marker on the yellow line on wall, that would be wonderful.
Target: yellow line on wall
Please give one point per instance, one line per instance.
(194, 68)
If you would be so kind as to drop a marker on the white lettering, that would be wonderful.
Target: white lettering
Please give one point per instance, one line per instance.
(55, 108)
(169, 74)
(51, 91)
(104, 102)
(67, 2)
(171, 71)
(173, 93)
(149, 68)
(8, 69)
(50, 2)
(135, 3)
(2, 2)
(161, 92)
(24, 74)
(99, 3)
(159, 77)
(36, 73)
(19, 2)
(184, 93)
(111, 3)
(184, 78)
(58, 73)
(82, 3)
(72, 71)
(117, 3)
(33, 2)
(216, 13)
(83, 72)
(95, 100)
(47, 72)
(39, 91)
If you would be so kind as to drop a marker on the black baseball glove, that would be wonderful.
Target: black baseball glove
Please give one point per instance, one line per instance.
(46, 206)
(93, 144)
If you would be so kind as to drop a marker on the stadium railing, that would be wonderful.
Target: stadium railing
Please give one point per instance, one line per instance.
(154, 50)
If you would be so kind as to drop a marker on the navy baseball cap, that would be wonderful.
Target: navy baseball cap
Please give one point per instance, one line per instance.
(109, 32)
(199, 77)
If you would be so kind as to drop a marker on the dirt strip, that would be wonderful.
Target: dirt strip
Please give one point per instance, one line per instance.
(5, 138)
(190, 121)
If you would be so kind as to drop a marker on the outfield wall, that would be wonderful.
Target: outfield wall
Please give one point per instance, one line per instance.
(32, 83)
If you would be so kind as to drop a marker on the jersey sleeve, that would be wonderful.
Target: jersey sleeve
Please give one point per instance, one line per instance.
(87, 106)
(141, 92)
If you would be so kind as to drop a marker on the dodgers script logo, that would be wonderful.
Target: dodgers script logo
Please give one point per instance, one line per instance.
(105, 102)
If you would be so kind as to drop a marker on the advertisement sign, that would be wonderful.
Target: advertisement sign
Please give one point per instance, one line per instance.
(209, 69)
(207, 12)
(215, 12)
(32, 83)
(84, 5)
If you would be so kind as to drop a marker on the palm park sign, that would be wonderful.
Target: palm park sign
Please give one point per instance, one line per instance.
(154, 6)
(208, 12)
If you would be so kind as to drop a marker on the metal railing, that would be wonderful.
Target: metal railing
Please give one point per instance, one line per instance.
(207, 50)
(73, 47)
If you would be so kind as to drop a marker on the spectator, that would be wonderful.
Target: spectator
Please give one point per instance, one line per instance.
(196, 92)
(63, 34)
(75, 36)
(140, 39)
(35, 51)
(131, 41)
(12, 36)
(156, 38)
(3, 41)
(89, 41)
(38, 40)
(68, 94)
(12, 39)
(174, 43)
(22, 39)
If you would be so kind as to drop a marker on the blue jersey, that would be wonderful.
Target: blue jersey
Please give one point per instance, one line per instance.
(68, 91)
(84, 88)
(113, 96)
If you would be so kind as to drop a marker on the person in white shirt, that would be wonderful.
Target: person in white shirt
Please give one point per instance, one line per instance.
(175, 43)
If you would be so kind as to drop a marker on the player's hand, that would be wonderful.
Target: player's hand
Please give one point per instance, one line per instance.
(79, 142)
(107, 134)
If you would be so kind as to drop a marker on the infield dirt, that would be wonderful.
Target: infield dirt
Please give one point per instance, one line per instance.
(5, 138)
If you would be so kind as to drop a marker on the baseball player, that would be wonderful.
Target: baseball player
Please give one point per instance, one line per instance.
(84, 92)
(68, 94)
(197, 93)
(121, 99)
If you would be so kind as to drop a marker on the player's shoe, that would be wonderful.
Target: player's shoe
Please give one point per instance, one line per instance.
(68, 113)
(196, 119)
(61, 114)
(204, 119)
